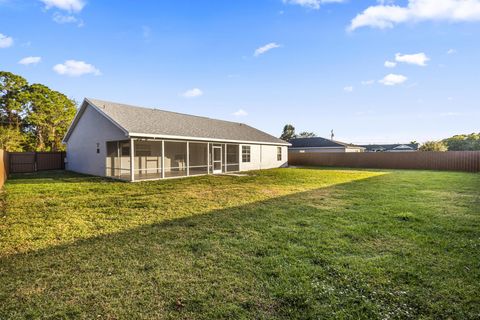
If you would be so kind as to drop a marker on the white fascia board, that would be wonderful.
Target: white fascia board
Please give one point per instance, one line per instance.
(295, 148)
(163, 136)
(106, 116)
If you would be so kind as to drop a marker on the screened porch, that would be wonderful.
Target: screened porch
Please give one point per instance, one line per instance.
(143, 159)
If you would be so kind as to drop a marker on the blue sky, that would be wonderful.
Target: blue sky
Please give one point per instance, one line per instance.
(319, 65)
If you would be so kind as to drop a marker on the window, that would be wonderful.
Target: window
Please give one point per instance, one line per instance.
(279, 153)
(245, 153)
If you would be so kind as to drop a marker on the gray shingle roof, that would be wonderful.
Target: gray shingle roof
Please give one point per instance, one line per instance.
(388, 147)
(318, 142)
(137, 121)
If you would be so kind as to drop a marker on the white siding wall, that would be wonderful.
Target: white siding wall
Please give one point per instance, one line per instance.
(92, 128)
(263, 157)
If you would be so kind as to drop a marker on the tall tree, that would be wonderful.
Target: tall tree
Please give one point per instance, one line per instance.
(288, 132)
(306, 134)
(49, 114)
(463, 142)
(12, 99)
(438, 146)
(11, 139)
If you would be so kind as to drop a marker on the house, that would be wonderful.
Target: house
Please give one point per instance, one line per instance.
(134, 143)
(408, 147)
(317, 144)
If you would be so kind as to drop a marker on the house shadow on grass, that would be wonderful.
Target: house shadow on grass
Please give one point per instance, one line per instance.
(55, 176)
(280, 258)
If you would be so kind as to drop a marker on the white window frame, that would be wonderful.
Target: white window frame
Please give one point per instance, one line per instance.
(246, 152)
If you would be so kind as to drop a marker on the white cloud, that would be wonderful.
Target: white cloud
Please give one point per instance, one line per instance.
(266, 48)
(367, 82)
(348, 89)
(193, 93)
(312, 4)
(384, 16)
(74, 68)
(385, 2)
(451, 51)
(393, 79)
(30, 60)
(419, 59)
(67, 5)
(5, 41)
(390, 64)
(240, 113)
(62, 19)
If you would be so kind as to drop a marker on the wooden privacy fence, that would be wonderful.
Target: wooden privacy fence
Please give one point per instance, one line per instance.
(453, 160)
(25, 162)
(3, 167)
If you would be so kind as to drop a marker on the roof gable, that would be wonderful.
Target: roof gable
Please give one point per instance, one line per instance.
(146, 122)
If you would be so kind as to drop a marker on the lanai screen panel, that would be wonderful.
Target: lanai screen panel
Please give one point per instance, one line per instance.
(233, 157)
(148, 159)
(112, 164)
(117, 162)
(175, 159)
(198, 156)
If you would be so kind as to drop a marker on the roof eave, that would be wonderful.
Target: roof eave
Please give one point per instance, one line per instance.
(172, 137)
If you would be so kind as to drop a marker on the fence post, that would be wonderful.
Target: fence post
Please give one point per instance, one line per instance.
(9, 164)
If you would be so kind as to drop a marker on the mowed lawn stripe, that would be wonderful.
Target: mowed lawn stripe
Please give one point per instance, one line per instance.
(283, 243)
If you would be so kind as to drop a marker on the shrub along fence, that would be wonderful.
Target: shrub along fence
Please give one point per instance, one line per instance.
(3, 167)
(26, 162)
(468, 161)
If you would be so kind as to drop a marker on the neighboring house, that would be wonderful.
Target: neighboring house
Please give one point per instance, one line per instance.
(409, 147)
(317, 144)
(133, 143)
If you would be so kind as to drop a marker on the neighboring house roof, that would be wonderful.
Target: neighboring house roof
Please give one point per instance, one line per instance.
(154, 123)
(318, 142)
(392, 147)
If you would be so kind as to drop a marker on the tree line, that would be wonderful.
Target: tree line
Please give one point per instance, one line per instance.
(460, 142)
(33, 117)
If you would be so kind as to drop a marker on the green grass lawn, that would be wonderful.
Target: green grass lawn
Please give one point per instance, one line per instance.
(283, 243)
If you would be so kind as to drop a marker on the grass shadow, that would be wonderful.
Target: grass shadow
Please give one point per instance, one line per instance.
(367, 249)
(55, 176)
